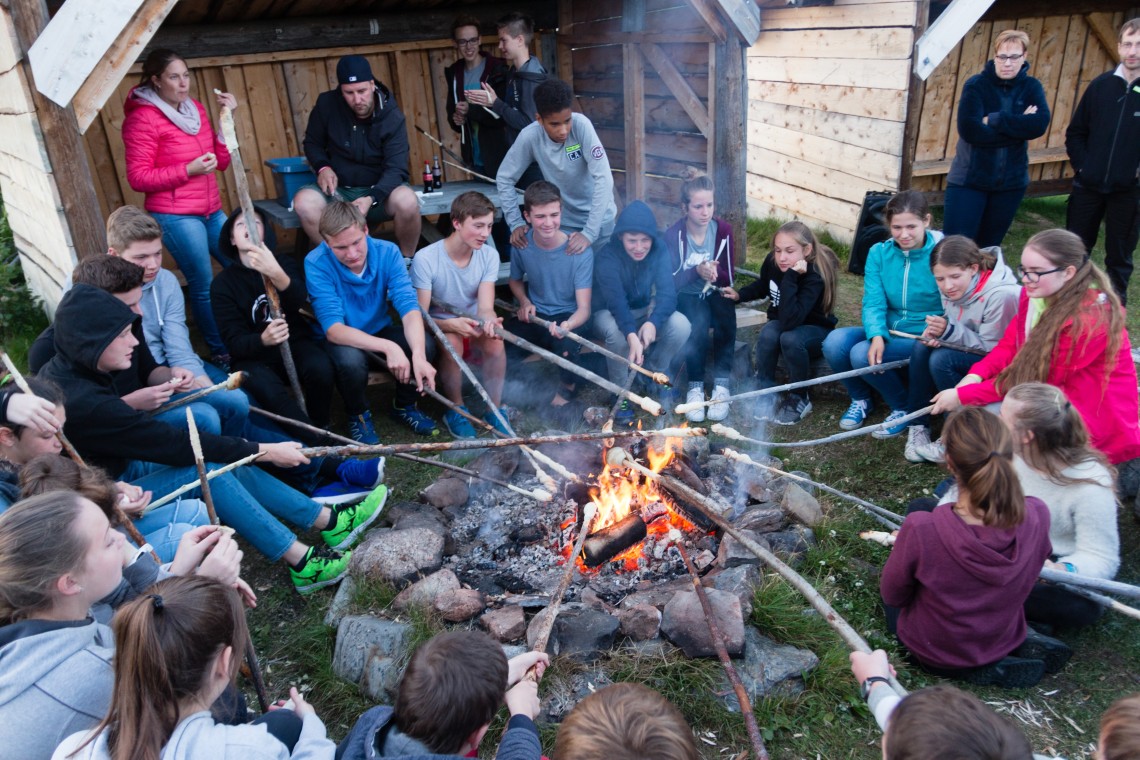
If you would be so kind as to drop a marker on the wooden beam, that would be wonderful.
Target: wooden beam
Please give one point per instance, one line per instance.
(730, 171)
(633, 15)
(677, 85)
(64, 144)
(745, 18)
(634, 72)
(1101, 26)
(117, 61)
(1011, 10)
(942, 166)
(916, 95)
(620, 38)
(316, 32)
(706, 10)
(565, 51)
(945, 33)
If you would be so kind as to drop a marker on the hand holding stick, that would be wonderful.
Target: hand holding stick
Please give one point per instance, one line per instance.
(231, 383)
(920, 339)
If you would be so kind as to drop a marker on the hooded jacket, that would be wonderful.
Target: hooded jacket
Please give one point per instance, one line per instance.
(164, 323)
(677, 240)
(625, 285)
(979, 318)
(55, 679)
(994, 155)
(960, 588)
(198, 736)
(107, 431)
(492, 135)
(899, 291)
(1103, 138)
(157, 154)
(372, 152)
(520, 740)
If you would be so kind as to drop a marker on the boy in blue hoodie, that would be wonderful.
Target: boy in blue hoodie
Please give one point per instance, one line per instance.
(637, 300)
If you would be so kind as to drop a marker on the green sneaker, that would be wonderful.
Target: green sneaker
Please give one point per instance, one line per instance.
(321, 568)
(349, 520)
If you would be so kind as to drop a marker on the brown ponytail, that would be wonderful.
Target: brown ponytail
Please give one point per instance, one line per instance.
(979, 450)
(38, 544)
(165, 644)
(51, 472)
(960, 251)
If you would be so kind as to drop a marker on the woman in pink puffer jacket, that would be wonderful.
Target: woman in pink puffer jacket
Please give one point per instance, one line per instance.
(172, 153)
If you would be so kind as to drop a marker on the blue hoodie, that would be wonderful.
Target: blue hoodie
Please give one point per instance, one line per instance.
(340, 297)
(624, 285)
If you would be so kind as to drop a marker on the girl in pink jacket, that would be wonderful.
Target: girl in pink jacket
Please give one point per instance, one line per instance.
(172, 153)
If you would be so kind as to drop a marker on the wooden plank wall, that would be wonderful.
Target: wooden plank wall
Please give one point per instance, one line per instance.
(31, 198)
(827, 92)
(1064, 53)
(598, 53)
(275, 98)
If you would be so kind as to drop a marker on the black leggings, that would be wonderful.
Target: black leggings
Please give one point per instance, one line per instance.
(713, 311)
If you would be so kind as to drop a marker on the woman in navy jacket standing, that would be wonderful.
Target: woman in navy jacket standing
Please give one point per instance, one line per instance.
(1001, 110)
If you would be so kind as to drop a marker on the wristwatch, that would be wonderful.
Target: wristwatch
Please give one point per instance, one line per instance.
(865, 687)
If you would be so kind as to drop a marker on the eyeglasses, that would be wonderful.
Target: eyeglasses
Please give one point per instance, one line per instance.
(1034, 277)
(470, 42)
(1009, 58)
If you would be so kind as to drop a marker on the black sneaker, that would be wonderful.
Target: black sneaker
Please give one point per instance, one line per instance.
(792, 409)
(1009, 673)
(1037, 646)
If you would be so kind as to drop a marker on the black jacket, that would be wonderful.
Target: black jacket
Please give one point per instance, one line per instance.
(107, 431)
(492, 134)
(797, 299)
(515, 91)
(125, 382)
(1103, 139)
(369, 153)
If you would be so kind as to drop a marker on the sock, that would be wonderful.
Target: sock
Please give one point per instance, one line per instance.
(304, 560)
(332, 518)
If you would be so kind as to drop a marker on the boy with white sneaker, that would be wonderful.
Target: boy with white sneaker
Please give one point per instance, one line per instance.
(461, 270)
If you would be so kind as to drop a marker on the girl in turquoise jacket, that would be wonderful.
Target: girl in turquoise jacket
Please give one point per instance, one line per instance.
(899, 292)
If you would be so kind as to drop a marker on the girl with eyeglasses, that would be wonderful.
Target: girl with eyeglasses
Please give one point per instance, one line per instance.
(1001, 110)
(1069, 332)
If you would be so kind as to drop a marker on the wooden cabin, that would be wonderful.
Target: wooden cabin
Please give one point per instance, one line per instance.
(863, 95)
(662, 80)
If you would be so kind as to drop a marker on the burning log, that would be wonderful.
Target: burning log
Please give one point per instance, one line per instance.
(605, 544)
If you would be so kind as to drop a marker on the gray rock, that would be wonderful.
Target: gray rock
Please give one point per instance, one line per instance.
(446, 492)
(341, 602)
(414, 514)
(734, 554)
(684, 623)
(361, 638)
(769, 669)
(657, 595)
(514, 650)
(779, 484)
(460, 604)
(382, 678)
(397, 556)
(639, 623)
(762, 519)
(791, 543)
(505, 624)
(580, 633)
(500, 464)
(695, 447)
(742, 581)
(801, 505)
(424, 591)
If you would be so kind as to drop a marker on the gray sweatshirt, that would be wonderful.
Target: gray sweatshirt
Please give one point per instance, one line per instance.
(979, 318)
(580, 169)
(198, 736)
(55, 679)
(164, 324)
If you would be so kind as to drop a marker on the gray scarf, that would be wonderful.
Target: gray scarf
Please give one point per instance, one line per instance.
(186, 117)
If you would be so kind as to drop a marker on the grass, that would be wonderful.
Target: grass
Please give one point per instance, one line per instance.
(828, 719)
(21, 315)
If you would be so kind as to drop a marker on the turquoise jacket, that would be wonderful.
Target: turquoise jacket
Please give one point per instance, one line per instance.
(899, 291)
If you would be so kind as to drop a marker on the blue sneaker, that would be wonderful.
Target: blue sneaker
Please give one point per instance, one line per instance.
(458, 425)
(418, 422)
(624, 415)
(855, 414)
(366, 473)
(361, 429)
(492, 420)
(891, 430)
(339, 492)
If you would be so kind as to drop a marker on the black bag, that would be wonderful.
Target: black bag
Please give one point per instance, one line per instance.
(872, 229)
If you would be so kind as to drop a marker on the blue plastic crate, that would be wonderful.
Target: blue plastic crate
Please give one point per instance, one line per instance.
(289, 176)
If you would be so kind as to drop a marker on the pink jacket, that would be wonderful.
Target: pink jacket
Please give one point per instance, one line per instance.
(1110, 410)
(158, 153)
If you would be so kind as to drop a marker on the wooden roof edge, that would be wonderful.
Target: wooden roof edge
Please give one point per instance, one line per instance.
(743, 15)
(945, 33)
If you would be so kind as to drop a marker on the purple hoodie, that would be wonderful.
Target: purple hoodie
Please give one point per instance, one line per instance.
(961, 588)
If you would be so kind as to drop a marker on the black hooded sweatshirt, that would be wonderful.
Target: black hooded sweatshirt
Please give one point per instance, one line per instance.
(106, 431)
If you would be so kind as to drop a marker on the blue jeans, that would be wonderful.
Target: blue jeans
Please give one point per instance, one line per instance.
(239, 497)
(932, 370)
(798, 346)
(846, 348)
(192, 240)
(164, 527)
(980, 215)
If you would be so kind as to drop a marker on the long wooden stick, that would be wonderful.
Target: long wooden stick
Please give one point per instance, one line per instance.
(486, 443)
(722, 654)
(463, 168)
(444, 343)
(688, 407)
(229, 134)
(714, 513)
(647, 404)
(542, 633)
(72, 452)
(885, 516)
(658, 377)
(194, 484)
(200, 463)
(736, 435)
(233, 382)
(920, 339)
(1087, 581)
